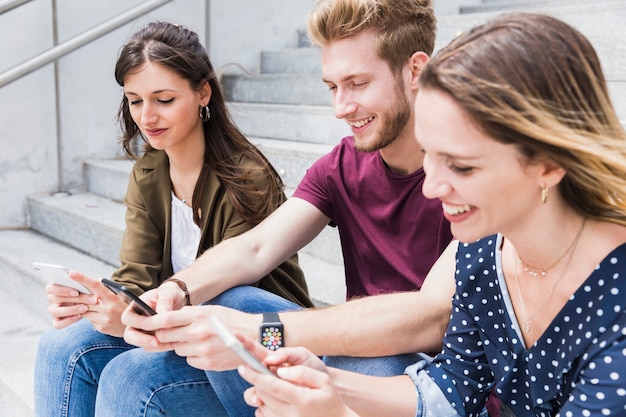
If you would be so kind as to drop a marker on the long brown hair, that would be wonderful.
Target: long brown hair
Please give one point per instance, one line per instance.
(536, 82)
(179, 49)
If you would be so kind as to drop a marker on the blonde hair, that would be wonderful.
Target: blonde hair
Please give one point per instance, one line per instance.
(535, 82)
(403, 26)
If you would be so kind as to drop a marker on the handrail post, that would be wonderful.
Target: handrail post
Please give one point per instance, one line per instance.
(57, 104)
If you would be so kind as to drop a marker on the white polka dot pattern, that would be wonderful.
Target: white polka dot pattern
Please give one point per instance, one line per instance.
(576, 368)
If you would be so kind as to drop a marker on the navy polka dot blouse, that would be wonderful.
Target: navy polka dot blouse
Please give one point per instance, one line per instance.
(576, 368)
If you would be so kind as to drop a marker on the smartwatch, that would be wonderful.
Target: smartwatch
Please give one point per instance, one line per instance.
(272, 332)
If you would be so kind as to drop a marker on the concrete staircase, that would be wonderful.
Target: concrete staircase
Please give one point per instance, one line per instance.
(285, 110)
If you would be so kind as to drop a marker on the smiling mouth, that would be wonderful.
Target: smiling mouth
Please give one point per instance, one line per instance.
(456, 210)
(361, 123)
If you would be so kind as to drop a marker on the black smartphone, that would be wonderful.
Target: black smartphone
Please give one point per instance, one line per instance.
(138, 305)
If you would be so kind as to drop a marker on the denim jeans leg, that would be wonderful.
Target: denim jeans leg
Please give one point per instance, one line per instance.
(139, 383)
(68, 366)
(228, 385)
(377, 366)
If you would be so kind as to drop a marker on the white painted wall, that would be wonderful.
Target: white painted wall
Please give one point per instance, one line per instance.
(89, 96)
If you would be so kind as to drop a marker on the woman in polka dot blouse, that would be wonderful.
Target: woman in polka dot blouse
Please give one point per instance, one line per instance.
(528, 157)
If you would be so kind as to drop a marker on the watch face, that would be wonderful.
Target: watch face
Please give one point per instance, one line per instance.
(272, 337)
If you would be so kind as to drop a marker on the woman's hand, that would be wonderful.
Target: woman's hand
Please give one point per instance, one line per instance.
(102, 308)
(303, 387)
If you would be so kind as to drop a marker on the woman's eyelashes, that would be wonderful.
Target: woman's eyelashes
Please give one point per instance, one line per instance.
(160, 101)
(459, 169)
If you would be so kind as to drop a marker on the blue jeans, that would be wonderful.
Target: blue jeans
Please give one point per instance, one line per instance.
(229, 386)
(81, 372)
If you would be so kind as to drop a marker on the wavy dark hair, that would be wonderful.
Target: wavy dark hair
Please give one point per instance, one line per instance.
(179, 49)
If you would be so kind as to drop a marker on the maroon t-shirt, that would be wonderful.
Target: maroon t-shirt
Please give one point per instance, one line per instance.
(391, 234)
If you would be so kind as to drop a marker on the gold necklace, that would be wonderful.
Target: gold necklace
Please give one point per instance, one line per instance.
(184, 199)
(526, 328)
(534, 271)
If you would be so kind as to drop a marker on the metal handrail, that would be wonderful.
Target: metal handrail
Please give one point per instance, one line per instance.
(7, 5)
(77, 41)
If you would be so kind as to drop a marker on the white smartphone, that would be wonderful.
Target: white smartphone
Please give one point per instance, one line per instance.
(234, 343)
(58, 274)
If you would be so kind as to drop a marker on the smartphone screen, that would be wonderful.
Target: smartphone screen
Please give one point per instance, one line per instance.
(232, 342)
(139, 306)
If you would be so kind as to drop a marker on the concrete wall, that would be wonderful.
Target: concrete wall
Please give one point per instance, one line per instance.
(88, 95)
(240, 29)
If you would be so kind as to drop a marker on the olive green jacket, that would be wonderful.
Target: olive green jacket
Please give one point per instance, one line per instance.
(145, 254)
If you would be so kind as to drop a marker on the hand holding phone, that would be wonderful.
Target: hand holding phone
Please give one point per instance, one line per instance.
(139, 305)
(58, 274)
(233, 343)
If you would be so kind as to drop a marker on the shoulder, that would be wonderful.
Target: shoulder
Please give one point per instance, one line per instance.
(477, 257)
(151, 161)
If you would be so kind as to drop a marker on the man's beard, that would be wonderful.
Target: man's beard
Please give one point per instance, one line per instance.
(393, 122)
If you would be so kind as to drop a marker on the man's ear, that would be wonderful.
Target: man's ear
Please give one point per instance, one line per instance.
(416, 63)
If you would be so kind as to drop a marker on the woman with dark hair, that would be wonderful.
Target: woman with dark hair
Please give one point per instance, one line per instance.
(198, 182)
(528, 157)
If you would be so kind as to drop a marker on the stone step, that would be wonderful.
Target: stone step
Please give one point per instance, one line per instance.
(107, 177)
(20, 330)
(87, 222)
(23, 305)
(500, 5)
(291, 159)
(303, 123)
(292, 61)
(595, 20)
(276, 89)
(20, 248)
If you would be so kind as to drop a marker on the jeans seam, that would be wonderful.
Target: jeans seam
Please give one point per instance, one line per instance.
(72, 367)
(173, 385)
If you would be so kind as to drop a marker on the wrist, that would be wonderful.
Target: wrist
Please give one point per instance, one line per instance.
(182, 287)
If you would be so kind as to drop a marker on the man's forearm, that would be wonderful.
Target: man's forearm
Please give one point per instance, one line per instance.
(381, 325)
(374, 326)
(221, 268)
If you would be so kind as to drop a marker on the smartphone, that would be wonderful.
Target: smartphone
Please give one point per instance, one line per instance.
(234, 343)
(58, 274)
(139, 305)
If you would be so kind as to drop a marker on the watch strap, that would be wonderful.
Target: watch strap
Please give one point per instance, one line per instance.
(182, 286)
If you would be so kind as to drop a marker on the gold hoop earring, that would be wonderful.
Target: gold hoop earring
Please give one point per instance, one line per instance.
(544, 194)
(205, 113)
